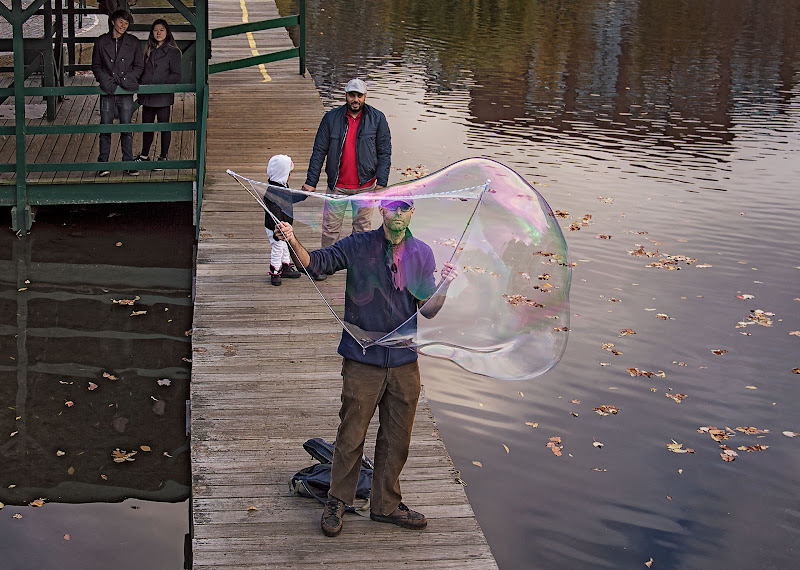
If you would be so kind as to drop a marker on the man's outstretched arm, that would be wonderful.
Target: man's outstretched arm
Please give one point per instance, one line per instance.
(432, 305)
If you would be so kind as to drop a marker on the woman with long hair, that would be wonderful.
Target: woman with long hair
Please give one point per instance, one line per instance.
(162, 64)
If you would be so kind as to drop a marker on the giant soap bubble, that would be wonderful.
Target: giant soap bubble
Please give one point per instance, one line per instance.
(506, 315)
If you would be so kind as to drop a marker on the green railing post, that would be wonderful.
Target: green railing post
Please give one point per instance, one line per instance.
(302, 40)
(71, 34)
(21, 212)
(202, 54)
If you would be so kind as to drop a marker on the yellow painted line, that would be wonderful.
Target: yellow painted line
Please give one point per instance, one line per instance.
(252, 41)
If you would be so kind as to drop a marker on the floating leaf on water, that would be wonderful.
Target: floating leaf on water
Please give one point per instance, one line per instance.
(37, 503)
(137, 313)
(67, 537)
(477, 464)
(532, 424)
(598, 469)
(649, 563)
(751, 387)
(71, 471)
(719, 351)
(677, 397)
(92, 386)
(597, 444)
(109, 376)
(144, 447)
(121, 456)
(69, 403)
(16, 516)
(60, 453)
(164, 382)
(623, 332)
(790, 433)
(506, 448)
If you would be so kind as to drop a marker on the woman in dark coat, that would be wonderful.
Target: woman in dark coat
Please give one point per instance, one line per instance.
(162, 64)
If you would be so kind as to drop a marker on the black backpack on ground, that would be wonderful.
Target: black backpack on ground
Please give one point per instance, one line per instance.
(315, 480)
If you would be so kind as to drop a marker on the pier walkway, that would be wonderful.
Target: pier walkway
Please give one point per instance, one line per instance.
(265, 373)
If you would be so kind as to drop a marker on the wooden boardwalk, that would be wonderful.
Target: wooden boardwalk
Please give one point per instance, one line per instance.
(265, 373)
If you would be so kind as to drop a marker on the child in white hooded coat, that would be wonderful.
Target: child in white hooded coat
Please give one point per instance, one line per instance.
(280, 203)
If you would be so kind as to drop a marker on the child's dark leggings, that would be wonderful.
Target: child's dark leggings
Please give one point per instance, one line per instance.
(149, 115)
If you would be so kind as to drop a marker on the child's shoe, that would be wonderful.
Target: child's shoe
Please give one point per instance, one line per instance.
(274, 275)
(289, 271)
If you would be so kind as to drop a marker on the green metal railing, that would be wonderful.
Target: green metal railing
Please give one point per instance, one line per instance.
(21, 195)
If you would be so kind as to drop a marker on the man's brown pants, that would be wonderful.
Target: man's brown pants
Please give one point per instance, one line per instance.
(395, 392)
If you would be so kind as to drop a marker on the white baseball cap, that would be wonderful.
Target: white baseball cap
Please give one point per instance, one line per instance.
(355, 85)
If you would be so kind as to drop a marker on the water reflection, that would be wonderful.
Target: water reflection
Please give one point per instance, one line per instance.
(94, 307)
(676, 126)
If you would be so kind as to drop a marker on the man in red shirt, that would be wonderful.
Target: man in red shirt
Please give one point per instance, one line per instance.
(354, 142)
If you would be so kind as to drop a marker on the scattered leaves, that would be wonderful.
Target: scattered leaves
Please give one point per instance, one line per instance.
(727, 453)
(750, 430)
(606, 409)
(637, 372)
(122, 456)
(749, 448)
(555, 446)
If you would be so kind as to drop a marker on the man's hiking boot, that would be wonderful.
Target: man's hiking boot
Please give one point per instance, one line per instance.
(332, 517)
(289, 271)
(404, 517)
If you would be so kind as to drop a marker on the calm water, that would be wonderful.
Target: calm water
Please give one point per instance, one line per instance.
(675, 125)
(82, 376)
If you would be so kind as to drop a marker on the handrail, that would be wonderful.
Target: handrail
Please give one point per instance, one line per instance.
(227, 31)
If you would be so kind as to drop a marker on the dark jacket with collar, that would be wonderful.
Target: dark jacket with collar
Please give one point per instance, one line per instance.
(162, 66)
(117, 62)
(373, 147)
(372, 301)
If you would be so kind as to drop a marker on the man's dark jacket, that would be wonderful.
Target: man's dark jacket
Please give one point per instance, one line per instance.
(372, 302)
(114, 67)
(373, 147)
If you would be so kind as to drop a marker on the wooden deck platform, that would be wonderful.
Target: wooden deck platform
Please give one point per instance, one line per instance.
(83, 147)
(265, 373)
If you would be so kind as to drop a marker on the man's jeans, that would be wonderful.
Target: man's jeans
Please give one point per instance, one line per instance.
(394, 391)
(110, 107)
(333, 214)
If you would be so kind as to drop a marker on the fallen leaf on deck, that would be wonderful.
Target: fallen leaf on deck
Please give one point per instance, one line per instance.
(252, 508)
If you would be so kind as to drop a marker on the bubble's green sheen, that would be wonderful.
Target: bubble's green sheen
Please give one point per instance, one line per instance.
(506, 315)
